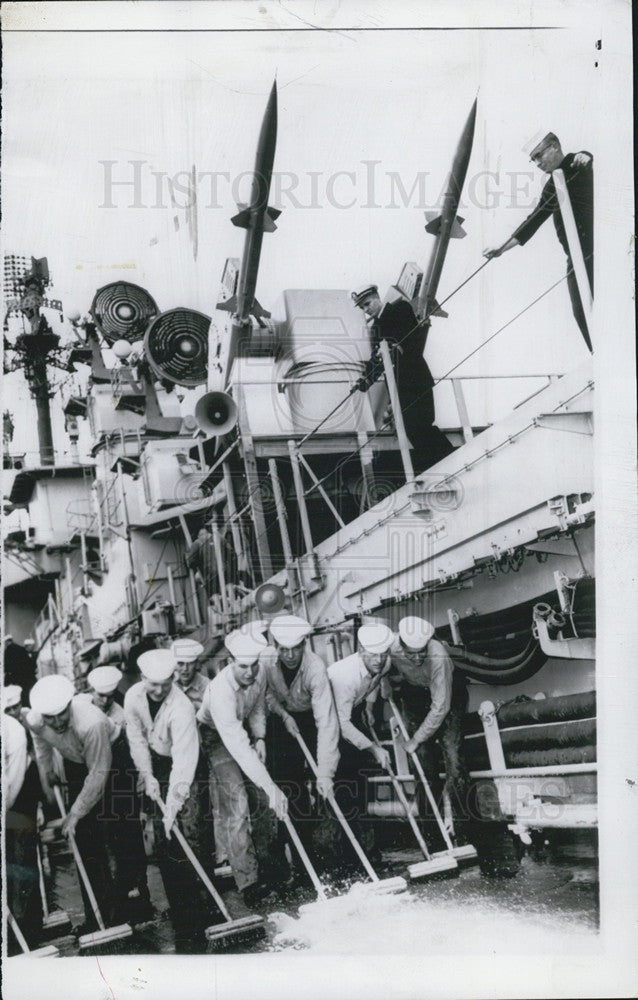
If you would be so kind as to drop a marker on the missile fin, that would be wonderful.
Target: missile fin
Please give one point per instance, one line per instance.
(243, 218)
(269, 219)
(437, 311)
(228, 305)
(457, 232)
(433, 223)
(258, 311)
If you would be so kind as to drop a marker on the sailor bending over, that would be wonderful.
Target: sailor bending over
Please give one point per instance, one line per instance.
(355, 684)
(245, 799)
(61, 720)
(300, 703)
(432, 697)
(162, 734)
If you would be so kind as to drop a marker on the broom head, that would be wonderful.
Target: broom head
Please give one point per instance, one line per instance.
(100, 939)
(234, 931)
(435, 866)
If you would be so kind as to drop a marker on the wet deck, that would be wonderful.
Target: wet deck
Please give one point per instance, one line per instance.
(548, 903)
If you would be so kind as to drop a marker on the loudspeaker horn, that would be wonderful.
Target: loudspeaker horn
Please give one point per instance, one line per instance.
(215, 413)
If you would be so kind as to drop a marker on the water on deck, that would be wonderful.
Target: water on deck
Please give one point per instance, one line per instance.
(550, 905)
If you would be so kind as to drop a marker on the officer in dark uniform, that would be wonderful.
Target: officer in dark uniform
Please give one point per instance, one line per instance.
(579, 178)
(19, 665)
(396, 323)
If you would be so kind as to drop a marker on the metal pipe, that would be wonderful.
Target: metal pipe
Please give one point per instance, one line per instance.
(235, 527)
(85, 577)
(323, 493)
(301, 498)
(219, 564)
(461, 406)
(171, 585)
(135, 597)
(197, 615)
(100, 527)
(537, 772)
(404, 445)
(281, 511)
(69, 583)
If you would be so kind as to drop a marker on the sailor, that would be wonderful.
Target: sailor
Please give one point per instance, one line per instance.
(162, 734)
(242, 791)
(60, 720)
(300, 703)
(196, 814)
(122, 804)
(21, 795)
(396, 323)
(548, 156)
(355, 684)
(12, 702)
(186, 653)
(18, 664)
(432, 697)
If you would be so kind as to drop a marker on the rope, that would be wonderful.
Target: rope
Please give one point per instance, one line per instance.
(436, 306)
(388, 422)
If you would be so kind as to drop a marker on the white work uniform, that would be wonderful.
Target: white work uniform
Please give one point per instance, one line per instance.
(244, 823)
(310, 689)
(172, 733)
(87, 741)
(351, 684)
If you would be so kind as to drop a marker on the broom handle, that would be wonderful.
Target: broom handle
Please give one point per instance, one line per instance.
(43, 893)
(80, 863)
(421, 773)
(18, 933)
(404, 802)
(339, 814)
(192, 857)
(314, 878)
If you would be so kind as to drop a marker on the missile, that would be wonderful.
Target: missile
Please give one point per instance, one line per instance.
(257, 217)
(447, 225)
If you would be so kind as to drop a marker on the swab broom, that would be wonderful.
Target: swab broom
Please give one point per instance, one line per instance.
(466, 853)
(105, 935)
(49, 951)
(230, 930)
(431, 865)
(53, 923)
(385, 885)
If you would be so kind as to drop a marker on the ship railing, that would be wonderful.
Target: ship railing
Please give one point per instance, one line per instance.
(22, 461)
(291, 446)
(466, 427)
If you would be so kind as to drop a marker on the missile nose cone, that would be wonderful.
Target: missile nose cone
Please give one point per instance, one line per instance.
(271, 107)
(471, 118)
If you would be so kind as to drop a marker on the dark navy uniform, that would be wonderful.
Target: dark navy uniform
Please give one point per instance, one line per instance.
(580, 185)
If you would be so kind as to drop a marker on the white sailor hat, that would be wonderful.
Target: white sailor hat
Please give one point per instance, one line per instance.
(156, 665)
(186, 650)
(104, 680)
(289, 630)
(539, 140)
(51, 694)
(363, 293)
(375, 638)
(415, 633)
(11, 695)
(244, 647)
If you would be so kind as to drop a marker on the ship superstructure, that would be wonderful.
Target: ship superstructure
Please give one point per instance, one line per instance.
(280, 481)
